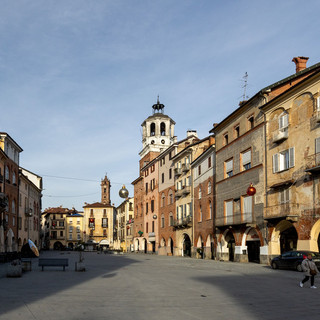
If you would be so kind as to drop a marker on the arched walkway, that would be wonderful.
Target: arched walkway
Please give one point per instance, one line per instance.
(57, 245)
(186, 246)
(283, 238)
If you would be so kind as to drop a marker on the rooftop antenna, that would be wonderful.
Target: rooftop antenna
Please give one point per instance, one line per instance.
(245, 80)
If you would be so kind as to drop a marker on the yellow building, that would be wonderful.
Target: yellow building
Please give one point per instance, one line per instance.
(124, 226)
(99, 220)
(75, 230)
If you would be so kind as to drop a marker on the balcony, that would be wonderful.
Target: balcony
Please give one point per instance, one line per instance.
(178, 193)
(183, 223)
(245, 218)
(186, 190)
(185, 167)
(280, 136)
(177, 172)
(288, 210)
(313, 164)
(28, 212)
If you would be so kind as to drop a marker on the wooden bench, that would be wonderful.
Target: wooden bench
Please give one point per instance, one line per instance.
(54, 262)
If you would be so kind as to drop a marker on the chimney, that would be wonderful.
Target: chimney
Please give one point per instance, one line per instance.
(301, 63)
(192, 133)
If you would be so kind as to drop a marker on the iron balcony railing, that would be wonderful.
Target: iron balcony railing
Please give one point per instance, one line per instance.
(234, 219)
(183, 222)
(313, 163)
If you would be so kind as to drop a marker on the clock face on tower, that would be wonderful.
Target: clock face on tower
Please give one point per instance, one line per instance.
(162, 141)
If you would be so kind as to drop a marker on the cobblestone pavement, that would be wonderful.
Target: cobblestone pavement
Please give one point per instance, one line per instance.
(138, 286)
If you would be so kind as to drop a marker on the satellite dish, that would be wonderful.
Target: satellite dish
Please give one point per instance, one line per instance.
(33, 248)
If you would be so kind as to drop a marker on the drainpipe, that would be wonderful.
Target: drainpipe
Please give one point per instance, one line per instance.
(265, 170)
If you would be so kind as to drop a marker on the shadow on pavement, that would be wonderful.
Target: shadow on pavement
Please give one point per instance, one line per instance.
(53, 281)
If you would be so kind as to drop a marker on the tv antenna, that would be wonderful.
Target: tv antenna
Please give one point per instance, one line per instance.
(245, 84)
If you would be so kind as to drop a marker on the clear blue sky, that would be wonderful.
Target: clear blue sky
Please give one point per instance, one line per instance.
(77, 78)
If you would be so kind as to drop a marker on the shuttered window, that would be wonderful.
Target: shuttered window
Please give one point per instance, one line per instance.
(283, 160)
(229, 168)
(283, 121)
(246, 160)
(228, 207)
(247, 208)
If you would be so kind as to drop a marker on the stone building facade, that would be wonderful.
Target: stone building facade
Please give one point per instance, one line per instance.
(292, 207)
(203, 176)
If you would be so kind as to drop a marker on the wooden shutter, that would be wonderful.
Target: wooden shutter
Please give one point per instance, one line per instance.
(291, 157)
(275, 162)
(246, 157)
(317, 144)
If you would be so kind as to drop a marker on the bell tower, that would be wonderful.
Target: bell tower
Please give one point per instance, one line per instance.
(157, 131)
(105, 191)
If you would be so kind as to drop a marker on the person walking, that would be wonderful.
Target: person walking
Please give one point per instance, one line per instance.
(310, 270)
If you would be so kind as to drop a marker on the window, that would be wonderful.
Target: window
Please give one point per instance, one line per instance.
(170, 198)
(225, 139)
(91, 212)
(152, 129)
(104, 232)
(171, 219)
(163, 200)
(163, 129)
(14, 178)
(147, 229)
(162, 221)
(78, 229)
(247, 208)
(210, 210)
(78, 221)
(283, 160)
(104, 212)
(209, 187)
(70, 229)
(61, 223)
(284, 195)
(13, 206)
(152, 226)
(152, 205)
(200, 193)
(70, 236)
(170, 173)
(228, 168)
(70, 221)
(236, 132)
(283, 121)
(162, 177)
(228, 211)
(250, 123)
(104, 222)
(209, 162)
(146, 187)
(61, 233)
(78, 236)
(246, 160)
(318, 104)
(147, 207)
(200, 213)
(199, 170)
(7, 176)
